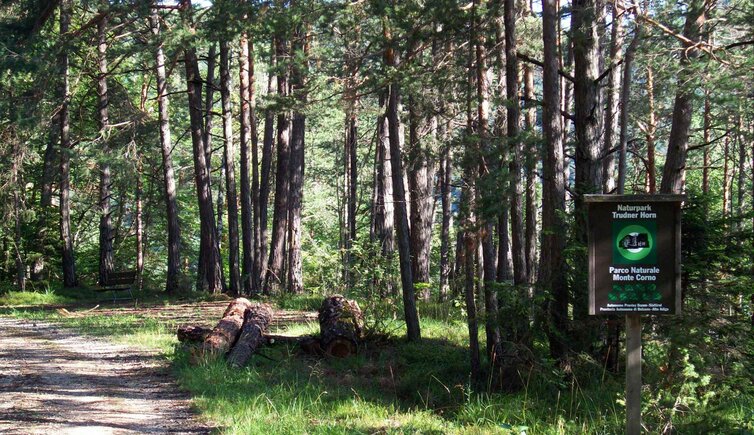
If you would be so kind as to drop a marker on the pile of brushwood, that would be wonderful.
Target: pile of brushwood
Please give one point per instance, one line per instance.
(243, 329)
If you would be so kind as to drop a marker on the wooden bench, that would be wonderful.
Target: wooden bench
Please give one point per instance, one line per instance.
(119, 282)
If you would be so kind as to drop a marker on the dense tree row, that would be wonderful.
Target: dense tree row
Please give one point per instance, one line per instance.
(462, 135)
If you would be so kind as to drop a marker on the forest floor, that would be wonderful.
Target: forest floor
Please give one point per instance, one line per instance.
(53, 380)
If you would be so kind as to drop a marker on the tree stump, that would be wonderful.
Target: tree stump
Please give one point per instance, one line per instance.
(257, 319)
(341, 325)
(192, 334)
(224, 335)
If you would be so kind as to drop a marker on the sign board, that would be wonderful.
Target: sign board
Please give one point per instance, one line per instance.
(634, 254)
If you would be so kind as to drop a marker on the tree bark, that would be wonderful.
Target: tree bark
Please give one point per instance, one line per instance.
(209, 271)
(384, 216)
(230, 171)
(487, 227)
(275, 279)
(226, 332)
(530, 165)
(139, 225)
(261, 260)
(256, 321)
(192, 333)
(613, 106)
(504, 260)
(399, 200)
(421, 183)
(341, 326)
(66, 149)
(172, 284)
(520, 268)
(625, 97)
(446, 175)
(208, 118)
(552, 272)
(706, 136)
(106, 262)
(249, 189)
(295, 273)
(349, 190)
(675, 161)
(587, 115)
(650, 135)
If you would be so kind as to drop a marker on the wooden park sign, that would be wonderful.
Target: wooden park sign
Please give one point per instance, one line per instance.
(634, 268)
(634, 254)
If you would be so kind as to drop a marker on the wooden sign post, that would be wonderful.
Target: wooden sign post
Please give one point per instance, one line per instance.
(634, 269)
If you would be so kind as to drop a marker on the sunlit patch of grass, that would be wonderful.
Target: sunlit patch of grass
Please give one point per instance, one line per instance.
(296, 329)
(15, 298)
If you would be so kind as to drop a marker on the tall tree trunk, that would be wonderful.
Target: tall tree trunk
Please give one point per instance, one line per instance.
(172, 284)
(261, 261)
(707, 136)
(650, 134)
(349, 190)
(49, 177)
(552, 271)
(230, 171)
(741, 169)
(249, 189)
(208, 118)
(275, 278)
(209, 103)
(531, 157)
(625, 96)
(487, 226)
(421, 182)
(106, 262)
(139, 224)
(520, 277)
(675, 161)
(66, 149)
(384, 216)
(298, 78)
(504, 260)
(469, 225)
(209, 271)
(587, 114)
(446, 175)
(726, 177)
(399, 200)
(17, 185)
(612, 109)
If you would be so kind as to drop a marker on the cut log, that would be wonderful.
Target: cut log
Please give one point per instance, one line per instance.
(257, 319)
(341, 325)
(192, 334)
(224, 335)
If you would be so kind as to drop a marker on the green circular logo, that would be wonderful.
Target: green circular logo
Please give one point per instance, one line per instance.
(634, 242)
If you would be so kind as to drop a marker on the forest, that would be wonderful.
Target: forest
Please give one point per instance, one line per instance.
(419, 156)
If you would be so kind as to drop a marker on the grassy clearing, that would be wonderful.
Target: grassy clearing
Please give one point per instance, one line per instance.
(393, 386)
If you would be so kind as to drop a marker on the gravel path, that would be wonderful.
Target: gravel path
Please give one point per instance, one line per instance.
(53, 381)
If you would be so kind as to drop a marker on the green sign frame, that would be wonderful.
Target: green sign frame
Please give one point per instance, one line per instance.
(634, 245)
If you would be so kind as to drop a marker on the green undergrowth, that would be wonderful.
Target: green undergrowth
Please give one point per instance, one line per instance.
(394, 386)
(391, 386)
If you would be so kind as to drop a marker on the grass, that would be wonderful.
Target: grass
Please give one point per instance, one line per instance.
(391, 386)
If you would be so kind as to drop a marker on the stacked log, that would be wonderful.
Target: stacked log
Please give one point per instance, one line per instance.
(192, 333)
(224, 335)
(256, 321)
(341, 326)
(243, 330)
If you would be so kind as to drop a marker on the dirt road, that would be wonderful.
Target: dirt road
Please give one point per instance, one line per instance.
(53, 381)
